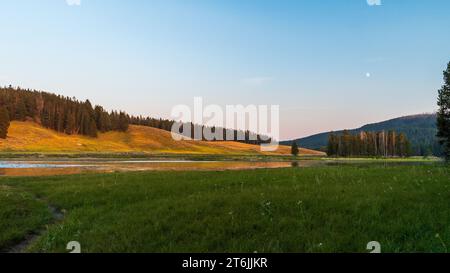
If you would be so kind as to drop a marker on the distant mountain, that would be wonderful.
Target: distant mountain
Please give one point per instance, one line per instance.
(420, 129)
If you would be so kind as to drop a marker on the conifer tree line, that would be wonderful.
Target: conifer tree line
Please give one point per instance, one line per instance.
(443, 114)
(197, 131)
(71, 116)
(380, 144)
(62, 114)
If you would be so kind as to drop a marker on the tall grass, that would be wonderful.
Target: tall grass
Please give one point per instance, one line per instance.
(323, 209)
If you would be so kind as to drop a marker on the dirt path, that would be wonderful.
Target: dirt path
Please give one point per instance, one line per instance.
(21, 247)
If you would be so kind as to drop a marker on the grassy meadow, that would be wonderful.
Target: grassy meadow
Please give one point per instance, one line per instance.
(320, 209)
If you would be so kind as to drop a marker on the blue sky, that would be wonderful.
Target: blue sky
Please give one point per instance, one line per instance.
(311, 57)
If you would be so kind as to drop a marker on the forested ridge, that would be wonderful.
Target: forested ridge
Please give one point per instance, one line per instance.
(420, 130)
(71, 116)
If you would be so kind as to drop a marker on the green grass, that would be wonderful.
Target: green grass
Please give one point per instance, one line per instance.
(323, 209)
(20, 214)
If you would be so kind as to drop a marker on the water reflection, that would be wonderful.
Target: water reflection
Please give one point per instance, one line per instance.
(48, 168)
(36, 168)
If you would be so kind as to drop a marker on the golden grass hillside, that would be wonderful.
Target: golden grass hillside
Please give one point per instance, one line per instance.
(31, 137)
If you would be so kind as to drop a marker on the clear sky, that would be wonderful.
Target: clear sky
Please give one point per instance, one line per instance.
(329, 64)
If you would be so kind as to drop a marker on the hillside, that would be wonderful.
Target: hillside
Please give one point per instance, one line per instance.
(31, 137)
(71, 116)
(420, 130)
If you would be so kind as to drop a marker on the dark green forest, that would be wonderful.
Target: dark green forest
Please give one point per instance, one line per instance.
(71, 116)
(62, 114)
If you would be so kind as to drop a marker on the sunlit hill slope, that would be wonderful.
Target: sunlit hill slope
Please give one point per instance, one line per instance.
(31, 137)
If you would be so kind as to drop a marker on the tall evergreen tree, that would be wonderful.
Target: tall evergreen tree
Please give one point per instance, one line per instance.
(333, 143)
(294, 149)
(123, 122)
(4, 122)
(443, 115)
(21, 110)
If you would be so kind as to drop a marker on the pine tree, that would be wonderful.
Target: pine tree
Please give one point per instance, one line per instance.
(443, 115)
(4, 122)
(333, 145)
(70, 123)
(346, 143)
(21, 110)
(123, 122)
(294, 149)
(92, 132)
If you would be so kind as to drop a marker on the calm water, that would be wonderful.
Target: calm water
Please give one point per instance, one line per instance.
(10, 165)
(44, 168)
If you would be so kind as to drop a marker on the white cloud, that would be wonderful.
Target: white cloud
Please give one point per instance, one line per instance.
(257, 81)
(374, 2)
(73, 2)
